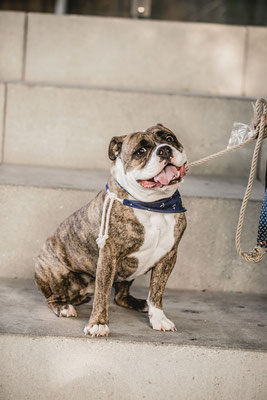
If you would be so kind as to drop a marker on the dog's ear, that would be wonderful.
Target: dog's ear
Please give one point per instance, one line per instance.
(115, 146)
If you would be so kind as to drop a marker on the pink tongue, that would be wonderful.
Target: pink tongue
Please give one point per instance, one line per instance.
(165, 176)
(182, 171)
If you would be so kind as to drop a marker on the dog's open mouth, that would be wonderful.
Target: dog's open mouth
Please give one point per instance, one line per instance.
(169, 175)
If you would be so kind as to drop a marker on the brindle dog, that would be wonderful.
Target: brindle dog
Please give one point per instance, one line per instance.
(147, 166)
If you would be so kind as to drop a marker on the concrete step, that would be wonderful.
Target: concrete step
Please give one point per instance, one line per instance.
(12, 33)
(133, 54)
(218, 352)
(72, 128)
(35, 200)
(123, 53)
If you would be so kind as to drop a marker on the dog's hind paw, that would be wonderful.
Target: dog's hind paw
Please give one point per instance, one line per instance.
(96, 330)
(68, 311)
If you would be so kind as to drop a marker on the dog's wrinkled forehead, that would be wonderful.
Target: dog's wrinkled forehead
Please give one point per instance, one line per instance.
(135, 149)
(161, 134)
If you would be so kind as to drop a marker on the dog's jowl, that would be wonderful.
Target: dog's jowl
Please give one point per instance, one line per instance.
(133, 226)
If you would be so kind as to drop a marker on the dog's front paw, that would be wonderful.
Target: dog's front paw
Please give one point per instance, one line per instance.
(68, 311)
(96, 330)
(159, 321)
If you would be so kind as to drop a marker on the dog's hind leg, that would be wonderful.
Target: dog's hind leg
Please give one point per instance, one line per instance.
(124, 299)
(62, 288)
(54, 286)
(86, 292)
(61, 309)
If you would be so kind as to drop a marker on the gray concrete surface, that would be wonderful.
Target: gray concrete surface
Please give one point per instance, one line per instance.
(28, 216)
(217, 353)
(67, 127)
(207, 258)
(219, 350)
(11, 45)
(2, 102)
(82, 179)
(63, 368)
(135, 54)
(204, 319)
(256, 61)
(63, 178)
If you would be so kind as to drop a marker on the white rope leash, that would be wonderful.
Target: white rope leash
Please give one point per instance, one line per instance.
(103, 232)
(260, 114)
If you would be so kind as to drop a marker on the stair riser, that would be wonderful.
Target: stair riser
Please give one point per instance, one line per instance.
(98, 369)
(63, 127)
(2, 112)
(140, 55)
(123, 53)
(12, 33)
(207, 257)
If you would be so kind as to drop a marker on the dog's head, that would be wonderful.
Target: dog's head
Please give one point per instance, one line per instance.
(150, 165)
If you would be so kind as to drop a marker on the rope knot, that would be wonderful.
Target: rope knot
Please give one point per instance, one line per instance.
(101, 240)
(111, 195)
(256, 255)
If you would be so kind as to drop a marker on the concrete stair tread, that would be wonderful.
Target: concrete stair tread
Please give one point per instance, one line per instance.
(204, 319)
(81, 179)
(64, 178)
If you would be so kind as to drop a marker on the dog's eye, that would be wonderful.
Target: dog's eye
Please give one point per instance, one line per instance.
(169, 139)
(140, 152)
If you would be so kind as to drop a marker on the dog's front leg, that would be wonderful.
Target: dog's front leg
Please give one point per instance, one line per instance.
(159, 276)
(106, 268)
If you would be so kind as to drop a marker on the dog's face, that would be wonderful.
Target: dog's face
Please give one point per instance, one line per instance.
(150, 165)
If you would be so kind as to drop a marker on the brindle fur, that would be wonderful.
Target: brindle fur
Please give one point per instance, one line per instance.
(70, 267)
(124, 299)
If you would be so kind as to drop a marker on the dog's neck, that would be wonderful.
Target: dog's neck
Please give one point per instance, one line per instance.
(116, 188)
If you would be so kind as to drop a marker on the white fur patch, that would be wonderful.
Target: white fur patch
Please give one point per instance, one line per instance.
(69, 311)
(96, 330)
(159, 239)
(158, 319)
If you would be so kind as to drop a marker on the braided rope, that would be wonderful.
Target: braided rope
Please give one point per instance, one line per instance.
(257, 253)
(222, 152)
(103, 232)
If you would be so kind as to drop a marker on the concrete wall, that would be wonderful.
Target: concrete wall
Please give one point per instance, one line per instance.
(207, 258)
(70, 127)
(2, 103)
(134, 54)
(12, 36)
(256, 62)
(72, 368)
(49, 123)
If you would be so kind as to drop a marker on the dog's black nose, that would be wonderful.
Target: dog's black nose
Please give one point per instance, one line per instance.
(164, 152)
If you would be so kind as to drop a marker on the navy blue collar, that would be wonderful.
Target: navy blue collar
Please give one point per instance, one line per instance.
(171, 204)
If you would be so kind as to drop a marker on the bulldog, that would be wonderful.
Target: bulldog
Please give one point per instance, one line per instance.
(132, 227)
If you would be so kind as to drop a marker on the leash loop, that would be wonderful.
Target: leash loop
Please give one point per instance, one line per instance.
(256, 255)
(259, 121)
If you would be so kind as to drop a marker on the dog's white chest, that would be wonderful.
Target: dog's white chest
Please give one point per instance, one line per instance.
(159, 239)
